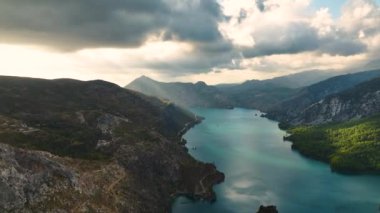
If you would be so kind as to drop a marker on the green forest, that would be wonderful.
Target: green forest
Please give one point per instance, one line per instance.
(349, 147)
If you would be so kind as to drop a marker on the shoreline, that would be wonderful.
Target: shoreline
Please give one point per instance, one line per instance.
(349, 172)
(206, 179)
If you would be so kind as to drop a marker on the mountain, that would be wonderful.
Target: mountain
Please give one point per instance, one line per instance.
(290, 108)
(302, 79)
(184, 94)
(281, 97)
(68, 145)
(359, 102)
(257, 94)
(293, 81)
(266, 94)
(342, 129)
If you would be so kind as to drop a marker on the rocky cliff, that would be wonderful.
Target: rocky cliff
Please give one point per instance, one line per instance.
(288, 110)
(356, 103)
(72, 146)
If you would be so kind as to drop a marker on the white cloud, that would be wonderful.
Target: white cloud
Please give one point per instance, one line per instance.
(255, 24)
(323, 22)
(360, 15)
(289, 36)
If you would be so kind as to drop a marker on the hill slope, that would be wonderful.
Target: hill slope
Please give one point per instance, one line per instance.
(361, 101)
(257, 94)
(343, 129)
(185, 94)
(266, 94)
(292, 107)
(292, 81)
(302, 79)
(75, 146)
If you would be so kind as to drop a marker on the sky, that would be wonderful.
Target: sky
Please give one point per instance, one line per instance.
(216, 41)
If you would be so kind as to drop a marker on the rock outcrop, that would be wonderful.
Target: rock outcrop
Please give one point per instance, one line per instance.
(359, 102)
(290, 109)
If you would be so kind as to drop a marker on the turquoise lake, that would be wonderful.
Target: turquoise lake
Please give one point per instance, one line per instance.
(261, 168)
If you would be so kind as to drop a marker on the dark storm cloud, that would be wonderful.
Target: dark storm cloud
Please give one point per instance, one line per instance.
(342, 46)
(75, 24)
(218, 54)
(294, 38)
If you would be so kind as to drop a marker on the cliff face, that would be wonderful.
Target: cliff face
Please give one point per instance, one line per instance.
(290, 109)
(71, 146)
(359, 102)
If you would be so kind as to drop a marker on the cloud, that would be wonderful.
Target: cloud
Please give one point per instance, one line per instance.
(278, 39)
(201, 59)
(77, 24)
(189, 39)
(292, 63)
(285, 27)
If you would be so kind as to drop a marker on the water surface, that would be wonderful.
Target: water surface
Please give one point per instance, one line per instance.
(261, 168)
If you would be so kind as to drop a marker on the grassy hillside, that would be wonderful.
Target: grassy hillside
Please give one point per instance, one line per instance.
(348, 147)
(68, 114)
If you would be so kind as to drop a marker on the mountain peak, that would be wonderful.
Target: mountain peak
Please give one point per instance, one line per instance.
(142, 80)
(144, 77)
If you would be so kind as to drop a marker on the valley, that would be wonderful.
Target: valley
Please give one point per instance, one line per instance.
(131, 144)
(190, 106)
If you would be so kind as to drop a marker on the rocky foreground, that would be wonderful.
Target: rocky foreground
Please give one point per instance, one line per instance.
(71, 146)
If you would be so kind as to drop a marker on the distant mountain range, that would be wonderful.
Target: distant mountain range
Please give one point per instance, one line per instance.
(255, 94)
(282, 97)
(266, 94)
(293, 81)
(250, 94)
